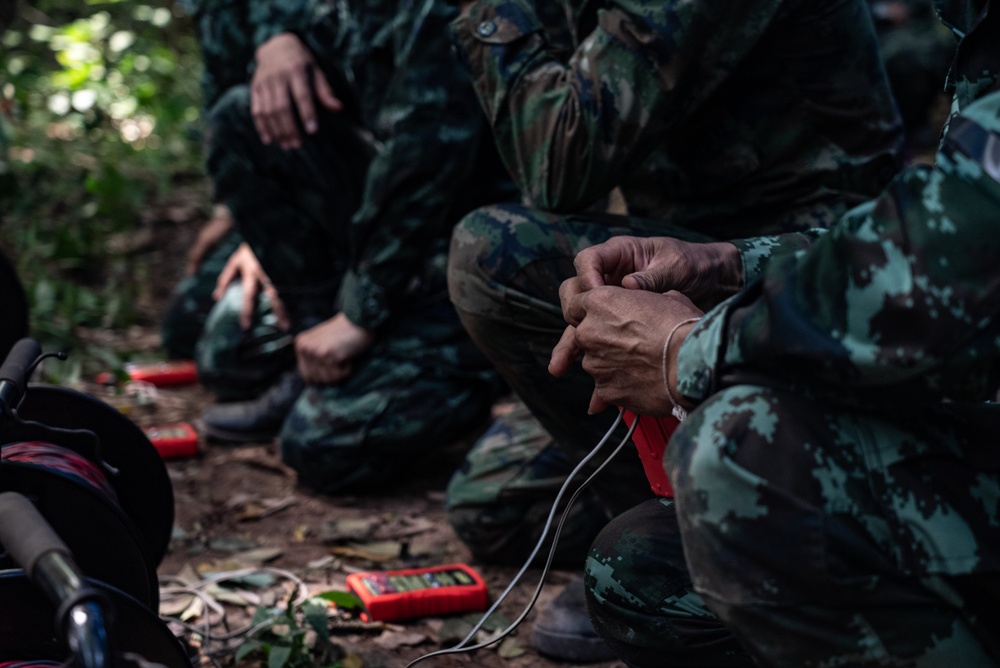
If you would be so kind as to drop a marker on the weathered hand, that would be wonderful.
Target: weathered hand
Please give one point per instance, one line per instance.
(285, 86)
(325, 352)
(706, 273)
(244, 266)
(208, 237)
(620, 336)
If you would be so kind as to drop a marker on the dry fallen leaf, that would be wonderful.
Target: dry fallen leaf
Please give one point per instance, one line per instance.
(260, 555)
(396, 639)
(378, 552)
(348, 529)
(301, 533)
(510, 648)
(262, 508)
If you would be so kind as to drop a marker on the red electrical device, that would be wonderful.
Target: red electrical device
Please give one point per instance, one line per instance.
(176, 440)
(651, 437)
(160, 374)
(419, 592)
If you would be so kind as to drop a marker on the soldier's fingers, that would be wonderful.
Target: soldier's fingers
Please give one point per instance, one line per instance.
(302, 94)
(575, 309)
(260, 105)
(278, 306)
(250, 290)
(226, 276)
(324, 92)
(283, 120)
(568, 289)
(590, 268)
(597, 404)
(565, 353)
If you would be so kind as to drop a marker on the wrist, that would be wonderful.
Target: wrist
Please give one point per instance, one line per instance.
(726, 267)
(281, 40)
(671, 349)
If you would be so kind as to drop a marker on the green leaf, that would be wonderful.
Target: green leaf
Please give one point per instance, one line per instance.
(278, 656)
(246, 648)
(343, 599)
(315, 615)
(263, 613)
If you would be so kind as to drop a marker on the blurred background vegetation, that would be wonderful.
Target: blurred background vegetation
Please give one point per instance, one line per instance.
(99, 122)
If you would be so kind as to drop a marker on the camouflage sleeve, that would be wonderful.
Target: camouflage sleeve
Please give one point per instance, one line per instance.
(273, 17)
(430, 124)
(568, 130)
(902, 292)
(757, 252)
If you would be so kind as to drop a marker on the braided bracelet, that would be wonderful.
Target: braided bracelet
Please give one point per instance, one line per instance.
(678, 411)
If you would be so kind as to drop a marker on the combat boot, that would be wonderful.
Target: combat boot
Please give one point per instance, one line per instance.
(563, 629)
(254, 421)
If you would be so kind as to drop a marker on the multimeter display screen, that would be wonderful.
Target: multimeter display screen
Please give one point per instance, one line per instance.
(384, 583)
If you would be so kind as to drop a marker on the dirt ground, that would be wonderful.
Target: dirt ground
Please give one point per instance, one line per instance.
(238, 507)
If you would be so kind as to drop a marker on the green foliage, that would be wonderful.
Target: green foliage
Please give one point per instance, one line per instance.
(100, 117)
(282, 635)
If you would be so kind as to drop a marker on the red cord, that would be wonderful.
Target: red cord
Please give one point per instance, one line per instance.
(61, 460)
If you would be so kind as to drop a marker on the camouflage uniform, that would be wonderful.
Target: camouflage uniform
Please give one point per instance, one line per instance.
(837, 487)
(774, 121)
(358, 221)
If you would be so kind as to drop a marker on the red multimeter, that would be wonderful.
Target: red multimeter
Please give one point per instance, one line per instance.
(419, 592)
(175, 440)
(650, 437)
(161, 374)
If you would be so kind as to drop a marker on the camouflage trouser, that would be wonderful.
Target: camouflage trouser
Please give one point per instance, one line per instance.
(505, 268)
(423, 384)
(820, 536)
(234, 363)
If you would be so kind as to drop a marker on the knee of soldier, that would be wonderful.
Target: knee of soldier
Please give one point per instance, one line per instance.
(599, 573)
(327, 449)
(495, 533)
(482, 252)
(741, 466)
(641, 546)
(473, 507)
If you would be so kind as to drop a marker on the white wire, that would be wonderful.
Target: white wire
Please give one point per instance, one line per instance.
(460, 647)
